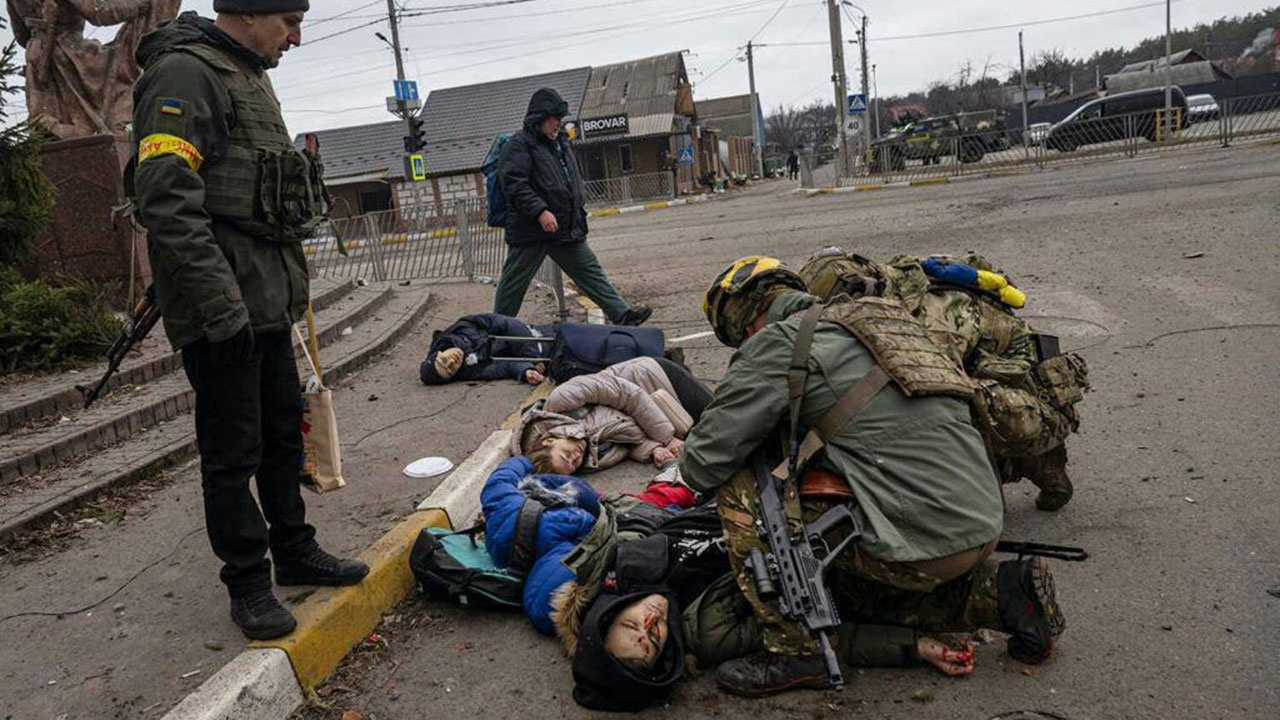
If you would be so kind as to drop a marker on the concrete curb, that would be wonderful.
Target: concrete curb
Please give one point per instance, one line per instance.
(256, 684)
(605, 212)
(918, 182)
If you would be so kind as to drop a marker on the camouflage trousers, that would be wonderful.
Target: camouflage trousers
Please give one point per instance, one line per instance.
(867, 590)
(1017, 422)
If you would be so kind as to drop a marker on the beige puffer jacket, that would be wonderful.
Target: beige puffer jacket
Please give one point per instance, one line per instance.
(613, 410)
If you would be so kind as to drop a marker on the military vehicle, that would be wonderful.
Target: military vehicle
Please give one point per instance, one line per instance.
(928, 140)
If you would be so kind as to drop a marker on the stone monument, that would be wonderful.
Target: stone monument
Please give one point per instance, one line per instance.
(81, 91)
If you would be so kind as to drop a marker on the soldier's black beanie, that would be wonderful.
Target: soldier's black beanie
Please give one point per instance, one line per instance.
(260, 7)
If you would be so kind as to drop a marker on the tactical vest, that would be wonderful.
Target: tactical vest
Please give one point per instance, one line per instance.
(901, 346)
(260, 183)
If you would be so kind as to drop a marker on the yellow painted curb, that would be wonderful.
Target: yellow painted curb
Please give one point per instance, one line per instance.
(930, 181)
(334, 620)
(608, 211)
(866, 188)
(826, 191)
(657, 206)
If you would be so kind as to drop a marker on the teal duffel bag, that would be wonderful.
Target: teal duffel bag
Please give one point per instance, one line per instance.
(455, 566)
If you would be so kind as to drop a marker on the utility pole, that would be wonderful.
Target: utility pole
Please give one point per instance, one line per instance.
(866, 126)
(755, 114)
(875, 88)
(838, 80)
(1168, 67)
(1022, 65)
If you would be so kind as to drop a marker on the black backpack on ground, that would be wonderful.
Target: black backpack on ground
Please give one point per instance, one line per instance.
(582, 349)
(455, 566)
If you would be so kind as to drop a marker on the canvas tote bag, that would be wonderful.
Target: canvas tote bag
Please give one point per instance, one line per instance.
(322, 453)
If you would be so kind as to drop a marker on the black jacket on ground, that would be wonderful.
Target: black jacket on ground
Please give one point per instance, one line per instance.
(470, 334)
(538, 174)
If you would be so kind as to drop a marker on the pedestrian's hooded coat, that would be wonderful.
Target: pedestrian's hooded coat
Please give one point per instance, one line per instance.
(470, 334)
(539, 174)
(204, 110)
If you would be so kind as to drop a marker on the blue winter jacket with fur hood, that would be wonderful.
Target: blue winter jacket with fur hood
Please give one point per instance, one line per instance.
(572, 506)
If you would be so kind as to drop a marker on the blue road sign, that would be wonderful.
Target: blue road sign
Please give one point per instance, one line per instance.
(406, 89)
(857, 103)
(686, 155)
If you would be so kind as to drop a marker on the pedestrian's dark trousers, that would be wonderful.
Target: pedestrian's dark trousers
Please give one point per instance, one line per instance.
(694, 397)
(575, 258)
(249, 423)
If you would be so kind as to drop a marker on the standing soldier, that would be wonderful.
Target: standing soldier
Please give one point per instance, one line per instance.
(1026, 391)
(884, 413)
(226, 201)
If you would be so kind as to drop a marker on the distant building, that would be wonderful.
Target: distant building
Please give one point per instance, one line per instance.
(731, 118)
(631, 118)
(1186, 67)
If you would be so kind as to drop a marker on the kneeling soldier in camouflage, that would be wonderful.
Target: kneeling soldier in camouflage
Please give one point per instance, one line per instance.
(1026, 391)
(900, 445)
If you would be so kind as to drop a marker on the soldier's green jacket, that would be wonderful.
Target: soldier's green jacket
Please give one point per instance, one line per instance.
(211, 274)
(924, 486)
(719, 625)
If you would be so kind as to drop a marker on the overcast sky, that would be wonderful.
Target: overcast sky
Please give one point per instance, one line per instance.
(343, 80)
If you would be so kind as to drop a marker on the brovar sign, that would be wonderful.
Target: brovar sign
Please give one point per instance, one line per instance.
(611, 125)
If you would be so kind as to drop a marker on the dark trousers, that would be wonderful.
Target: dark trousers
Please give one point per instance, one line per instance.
(693, 395)
(249, 424)
(577, 261)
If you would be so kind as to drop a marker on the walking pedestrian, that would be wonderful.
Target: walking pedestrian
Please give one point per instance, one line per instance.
(793, 165)
(546, 216)
(231, 280)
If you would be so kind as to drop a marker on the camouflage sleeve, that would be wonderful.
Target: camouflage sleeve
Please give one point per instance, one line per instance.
(877, 645)
(1014, 364)
(748, 404)
(180, 121)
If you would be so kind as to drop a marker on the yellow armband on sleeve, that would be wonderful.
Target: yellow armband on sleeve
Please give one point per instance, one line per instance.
(161, 144)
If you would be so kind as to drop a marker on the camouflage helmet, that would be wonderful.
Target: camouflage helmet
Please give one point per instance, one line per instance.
(831, 271)
(735, 296)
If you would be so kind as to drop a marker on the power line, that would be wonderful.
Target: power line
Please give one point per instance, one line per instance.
(770, 20)
(1028, 23)
(331, 18)
(419, 13)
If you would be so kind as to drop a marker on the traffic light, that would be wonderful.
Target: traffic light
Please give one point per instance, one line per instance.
(417, 137)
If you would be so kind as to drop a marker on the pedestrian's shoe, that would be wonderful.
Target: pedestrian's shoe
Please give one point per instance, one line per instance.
(1029, 609)
(764, 673)
(1050, 475)
(634, 315)
(317, 567)
(260, 616)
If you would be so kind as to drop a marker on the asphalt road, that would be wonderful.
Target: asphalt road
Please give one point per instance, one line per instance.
(1174, 466)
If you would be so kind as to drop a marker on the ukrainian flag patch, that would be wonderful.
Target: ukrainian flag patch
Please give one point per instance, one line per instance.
(171, 106)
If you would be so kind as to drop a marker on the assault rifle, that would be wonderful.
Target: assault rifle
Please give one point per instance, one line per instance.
(1065, 553)
(791, 571)
(139, 323)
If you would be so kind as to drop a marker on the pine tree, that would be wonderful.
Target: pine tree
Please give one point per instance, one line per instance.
(26, 195)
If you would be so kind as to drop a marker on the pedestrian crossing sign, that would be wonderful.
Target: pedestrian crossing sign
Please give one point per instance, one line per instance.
(417, 167)
(857, 103)
(686, 155)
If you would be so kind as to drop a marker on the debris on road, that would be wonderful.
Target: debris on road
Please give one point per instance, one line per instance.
(191, 674)
(214, 646)
(1193, 255)
(922, 695)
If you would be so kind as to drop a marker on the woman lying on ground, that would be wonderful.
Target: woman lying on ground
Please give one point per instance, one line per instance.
(633, 583)
(463, 351)
(639, 409)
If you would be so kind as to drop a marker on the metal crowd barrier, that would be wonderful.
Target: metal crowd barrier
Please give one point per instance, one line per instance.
(1235, 119)
(418, 243)
(630, 188)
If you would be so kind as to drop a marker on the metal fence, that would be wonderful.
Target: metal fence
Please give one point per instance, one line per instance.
(631, 188)
(419, 243)
(1233, 120)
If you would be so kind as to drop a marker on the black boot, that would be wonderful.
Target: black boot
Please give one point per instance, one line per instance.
(1029, 609)
(634, 315)
(260, 616)
(317, 567)
(1050, 475)
(765, 673)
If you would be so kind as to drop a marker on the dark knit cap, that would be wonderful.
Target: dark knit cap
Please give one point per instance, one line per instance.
(260, 7)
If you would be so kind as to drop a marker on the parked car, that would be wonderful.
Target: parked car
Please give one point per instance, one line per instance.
(1116, 117)
(1037, 132)
(928, 140)
(1201, 108)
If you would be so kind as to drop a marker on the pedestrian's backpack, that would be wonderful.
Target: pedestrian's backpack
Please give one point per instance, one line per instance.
(582, 349)
(455, 566)
(497, 211)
